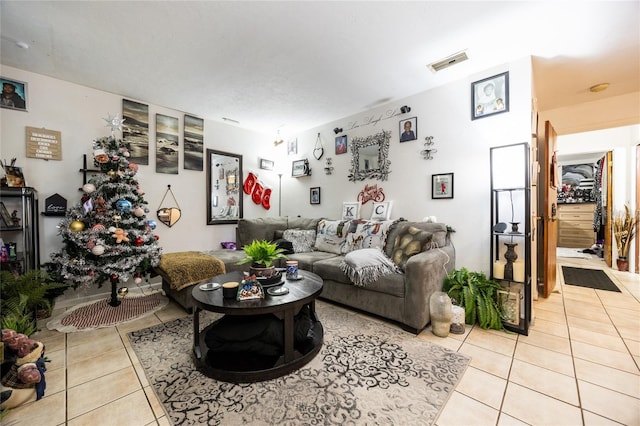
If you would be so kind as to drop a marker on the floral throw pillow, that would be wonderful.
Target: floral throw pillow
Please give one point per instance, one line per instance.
(303, 240)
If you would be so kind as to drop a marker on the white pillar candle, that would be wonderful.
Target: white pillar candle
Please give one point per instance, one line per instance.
(498, 269)
(518, 271)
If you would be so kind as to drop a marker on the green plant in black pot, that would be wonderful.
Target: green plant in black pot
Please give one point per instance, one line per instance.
(261, 254)
(478, 295)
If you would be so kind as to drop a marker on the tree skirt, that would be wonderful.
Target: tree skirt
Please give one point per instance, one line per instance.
(367, 372)
(99, 314)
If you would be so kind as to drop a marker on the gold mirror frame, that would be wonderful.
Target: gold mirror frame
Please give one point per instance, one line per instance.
(224, 187)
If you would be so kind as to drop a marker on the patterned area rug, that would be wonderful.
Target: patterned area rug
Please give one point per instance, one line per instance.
(99, 314)
(367, 372)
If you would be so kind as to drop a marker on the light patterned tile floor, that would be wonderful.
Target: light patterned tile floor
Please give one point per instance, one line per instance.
(578, 366)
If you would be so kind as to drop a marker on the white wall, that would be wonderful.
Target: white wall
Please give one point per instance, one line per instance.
(463, 148)
(444, 113)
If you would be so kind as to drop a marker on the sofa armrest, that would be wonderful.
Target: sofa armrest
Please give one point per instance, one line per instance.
(425, 274)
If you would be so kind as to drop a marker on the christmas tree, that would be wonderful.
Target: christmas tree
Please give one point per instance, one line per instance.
(106, 234)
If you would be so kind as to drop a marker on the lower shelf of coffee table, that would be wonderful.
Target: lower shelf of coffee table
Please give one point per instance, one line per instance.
(248, 367)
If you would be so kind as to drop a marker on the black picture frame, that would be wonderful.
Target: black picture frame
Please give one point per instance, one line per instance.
(412, 135)
(490, 96)
(314, 195)
(300, 168)
(442, 186)
(18, 100)
(266, 164)
(341, 145)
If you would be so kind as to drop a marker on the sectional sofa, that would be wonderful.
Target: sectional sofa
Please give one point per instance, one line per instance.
(421, 252)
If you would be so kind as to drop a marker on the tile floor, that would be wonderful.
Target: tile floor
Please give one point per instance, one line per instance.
(578, 366)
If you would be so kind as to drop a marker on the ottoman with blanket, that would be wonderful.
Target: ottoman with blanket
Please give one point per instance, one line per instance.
(182, 270)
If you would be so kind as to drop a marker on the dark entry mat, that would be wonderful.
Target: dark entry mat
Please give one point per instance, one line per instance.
(591, 278)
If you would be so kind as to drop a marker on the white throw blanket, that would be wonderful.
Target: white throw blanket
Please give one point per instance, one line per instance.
(365, 266)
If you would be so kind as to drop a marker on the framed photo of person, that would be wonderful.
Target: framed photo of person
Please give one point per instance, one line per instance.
(409, 129)
(14, 94)
(341, 144)
(314, 195)
(490, 96)
(442, 186)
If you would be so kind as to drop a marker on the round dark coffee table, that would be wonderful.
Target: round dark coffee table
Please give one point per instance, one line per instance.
(302, 292)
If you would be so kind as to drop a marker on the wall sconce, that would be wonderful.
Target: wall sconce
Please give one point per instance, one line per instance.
(337, 130)
(328, 168)
(405, 109)
(428, 151)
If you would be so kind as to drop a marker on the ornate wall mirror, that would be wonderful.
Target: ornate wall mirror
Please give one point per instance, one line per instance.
(224, 197)
(369, 157)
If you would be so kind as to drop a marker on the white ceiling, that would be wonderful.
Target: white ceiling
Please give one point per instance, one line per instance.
(296, 65)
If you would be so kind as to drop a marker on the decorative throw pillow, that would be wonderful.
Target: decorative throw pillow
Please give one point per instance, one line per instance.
(366, 266)
(409, 242)
(331, 235)
(302, 239)
(368, 234)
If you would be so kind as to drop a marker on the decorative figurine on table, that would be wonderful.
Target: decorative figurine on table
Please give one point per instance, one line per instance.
(250, 289)
(15, 219)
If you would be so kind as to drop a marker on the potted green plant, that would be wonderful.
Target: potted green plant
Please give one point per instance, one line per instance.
(478, 295)
(624, 228)
(23, 296)
(261, 254)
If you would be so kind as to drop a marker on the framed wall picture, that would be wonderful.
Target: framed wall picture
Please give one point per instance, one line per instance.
(292, 147)
(409, 129)
(314, 195)
(266, 164)
(14, 94)
(193, 137)
(442, 186)
(300, 168)
(490, 96)
(341, 144)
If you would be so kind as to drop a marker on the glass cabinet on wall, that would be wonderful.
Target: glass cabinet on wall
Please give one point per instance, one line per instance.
(511, 233)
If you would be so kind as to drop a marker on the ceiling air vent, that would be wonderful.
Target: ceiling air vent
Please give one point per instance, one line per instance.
(456, 58)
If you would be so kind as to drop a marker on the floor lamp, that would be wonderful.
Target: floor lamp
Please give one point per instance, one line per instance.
(279, 194)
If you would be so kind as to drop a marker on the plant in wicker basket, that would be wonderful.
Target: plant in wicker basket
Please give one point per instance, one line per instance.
(624, 228)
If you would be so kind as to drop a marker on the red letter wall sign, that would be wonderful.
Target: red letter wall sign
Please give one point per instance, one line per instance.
(259, 194)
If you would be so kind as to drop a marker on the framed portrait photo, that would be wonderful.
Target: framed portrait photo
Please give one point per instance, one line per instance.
(341, 144)
(14, 94)
(314, 195)
(442, 186)
(409, 129)
(490, 96)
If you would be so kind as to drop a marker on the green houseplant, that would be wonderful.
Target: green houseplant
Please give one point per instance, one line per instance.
(261, 254)
(478, 295)
(22, 296)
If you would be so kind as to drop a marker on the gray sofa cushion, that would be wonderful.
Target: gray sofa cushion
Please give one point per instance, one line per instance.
(329, 269)
(259, 229)
(307, 260)
(302, 223)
